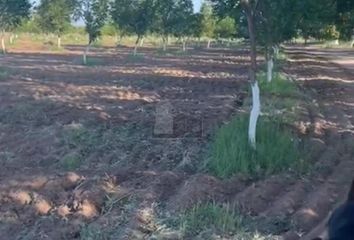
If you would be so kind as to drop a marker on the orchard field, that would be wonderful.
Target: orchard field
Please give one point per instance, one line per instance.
(80, 159)
(153, 119)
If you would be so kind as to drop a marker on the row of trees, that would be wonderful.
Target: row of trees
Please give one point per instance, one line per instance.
(271, 22)
(265, 23)
(128, 17)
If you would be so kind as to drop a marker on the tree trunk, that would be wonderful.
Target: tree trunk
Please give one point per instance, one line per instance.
(256, 109)
(142, 42)
(352, 44)
(120, 40)
(12, 39)
(270, 66)
(135, 52)
(256, 104)
(3, 47)
(183, 45)
(208, 45)
(84, 58)
(59, 41)
(164, 44)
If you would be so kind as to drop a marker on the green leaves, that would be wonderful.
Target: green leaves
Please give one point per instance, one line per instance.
(95, 13)
(55, 15)
(12, 13)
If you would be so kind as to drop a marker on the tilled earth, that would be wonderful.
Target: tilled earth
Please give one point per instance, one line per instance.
(77, 143)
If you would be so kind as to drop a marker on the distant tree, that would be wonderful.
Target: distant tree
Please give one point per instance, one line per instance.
(276, 22)
(134, 16)
(30, 25)
(182, 28)
(94, 14)
(11, 14)
(345, 18)
(166, 19)
(55, 16)
(315, 15)
(208, 22)
(225, 28)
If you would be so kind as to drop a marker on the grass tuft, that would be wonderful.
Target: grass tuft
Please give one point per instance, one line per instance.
(279, 85)
(277, 149)
(210, 216)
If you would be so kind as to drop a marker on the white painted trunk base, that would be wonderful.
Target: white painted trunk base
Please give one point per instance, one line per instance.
(209, 42)
(141, 42)
(184, 46)
(255, 112)
(135, 50)
(270, 66)
(84, 58)
(3, 47)
(59, 42)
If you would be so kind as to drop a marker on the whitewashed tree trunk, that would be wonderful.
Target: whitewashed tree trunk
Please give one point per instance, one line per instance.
(59, 42)
(84, 57)
(352, 44)
(164, 46)
(208, 45)
(183, 45)
(164, 43)
(142, 42)
(135, 52)
(270, 66)
(276, 50)
(12, 39)
(3, 47)
(336, 42)
(255, 112)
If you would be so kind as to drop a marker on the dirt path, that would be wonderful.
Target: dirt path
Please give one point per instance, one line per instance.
(329, 75)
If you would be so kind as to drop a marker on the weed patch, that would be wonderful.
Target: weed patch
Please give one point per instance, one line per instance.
(210, 216)
(279, 85)
(206, 221)
(277, 149)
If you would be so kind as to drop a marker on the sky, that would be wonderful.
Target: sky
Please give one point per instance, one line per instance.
(197, 4)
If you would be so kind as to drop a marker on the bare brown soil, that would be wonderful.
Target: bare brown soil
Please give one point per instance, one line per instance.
(77, 144)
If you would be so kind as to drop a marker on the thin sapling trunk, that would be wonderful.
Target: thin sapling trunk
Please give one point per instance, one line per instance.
(136, 46)
(87, 49)
(184, 45)
(256, 103)
(208, 45)
(59, 41)
(3, 47)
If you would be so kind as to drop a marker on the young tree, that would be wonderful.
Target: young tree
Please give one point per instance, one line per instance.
(55, 16)
(208, 22)
(94, 13)
(182, 27)
(134, 16)
(315, 14)
(345, 19)
(275, 23)
(165, 19)
(11, 15)
(225, 28)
